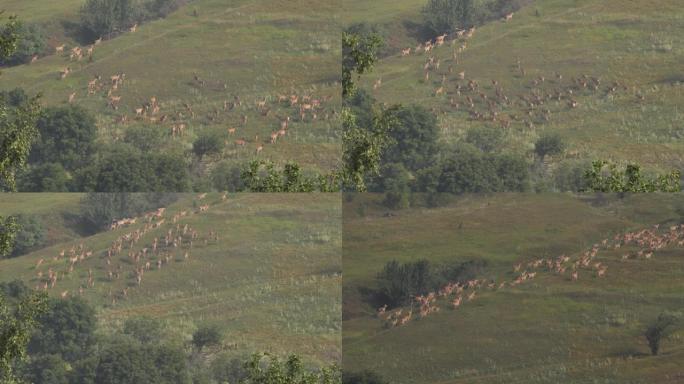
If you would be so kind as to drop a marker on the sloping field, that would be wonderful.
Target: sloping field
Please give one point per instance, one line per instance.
(547, 328)
(266, 268)
(211, 65)
(619, 61)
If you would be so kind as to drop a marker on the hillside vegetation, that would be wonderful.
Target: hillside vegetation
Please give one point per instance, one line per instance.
(605, 76)
(544, 328)
(265, 269)
(234, 70)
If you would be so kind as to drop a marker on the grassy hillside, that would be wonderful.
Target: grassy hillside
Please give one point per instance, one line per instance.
(548, 329)
(633, 43)
(254, 50)
(272, 279)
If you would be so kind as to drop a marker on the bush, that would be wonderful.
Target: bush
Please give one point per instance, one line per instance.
(31, 235)
(207, 143)
(67, 136)
(206, 335)
(569, 176)
(414, 137)
(228, 370)
(549, 144)
(446, 16)
(32, 41)
(399, 282)
(659, 330)
(144, 138)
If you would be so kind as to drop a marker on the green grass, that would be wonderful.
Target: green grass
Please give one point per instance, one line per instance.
(258, 49)
(548, 330)
(272, 281)
(637, 44)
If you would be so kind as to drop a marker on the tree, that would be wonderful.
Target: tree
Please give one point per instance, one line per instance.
(107, 17)
(8, 232)
(16, 326)
(47, 369)
(414, 136)
(399, 282)
(125, 361)
(659, 330)
(31, 41)
(446, 16)
(291, 371)
(67, 136)
(31, 234)
(362, 147)
(264, 176)
(207, 143)
(47, 177)
(206, 335)
(17, 124)
(486, 138)
(604, 176)
(359, 54)
(549, 144)
(67, 329)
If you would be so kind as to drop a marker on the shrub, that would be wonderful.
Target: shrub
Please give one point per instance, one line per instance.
(659, 330)
(226, 177)
(31, 41)
(206, 335)
(549, 144)
(207, 143)
(31, 234)
(99, 209)
(446, 16)
(486, 139)
(67, 136)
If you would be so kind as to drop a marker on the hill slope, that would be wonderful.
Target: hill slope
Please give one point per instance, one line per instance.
(266, 268)
(569, 43)
(195, 64)
(546, 329)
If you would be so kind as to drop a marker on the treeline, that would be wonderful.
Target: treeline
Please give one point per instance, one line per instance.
(68, 347)
(447, 16)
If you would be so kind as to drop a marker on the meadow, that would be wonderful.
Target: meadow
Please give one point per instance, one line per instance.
(265, 268)
(211, 65)
(621, 61)
(546, 329)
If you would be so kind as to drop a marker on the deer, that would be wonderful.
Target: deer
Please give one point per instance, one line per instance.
(406, 51)
(72, 96)
(133, 28)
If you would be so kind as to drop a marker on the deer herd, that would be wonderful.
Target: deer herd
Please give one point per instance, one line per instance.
(492, 104)
(643, 243)
(129, 256)
(302, 107)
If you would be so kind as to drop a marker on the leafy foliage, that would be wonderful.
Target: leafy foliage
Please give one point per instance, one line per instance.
(263, 176)
(67, 136)
(207, 143)
(31, 41)
(67, 329)
(206, 335)
(659, 330)
(291, 371)
(359, 54)
(47, 177)
(445, 16)
(604, 176)
(549, 144)
(31, 234)
(8, 233)
(17, 133)
(16, 325)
